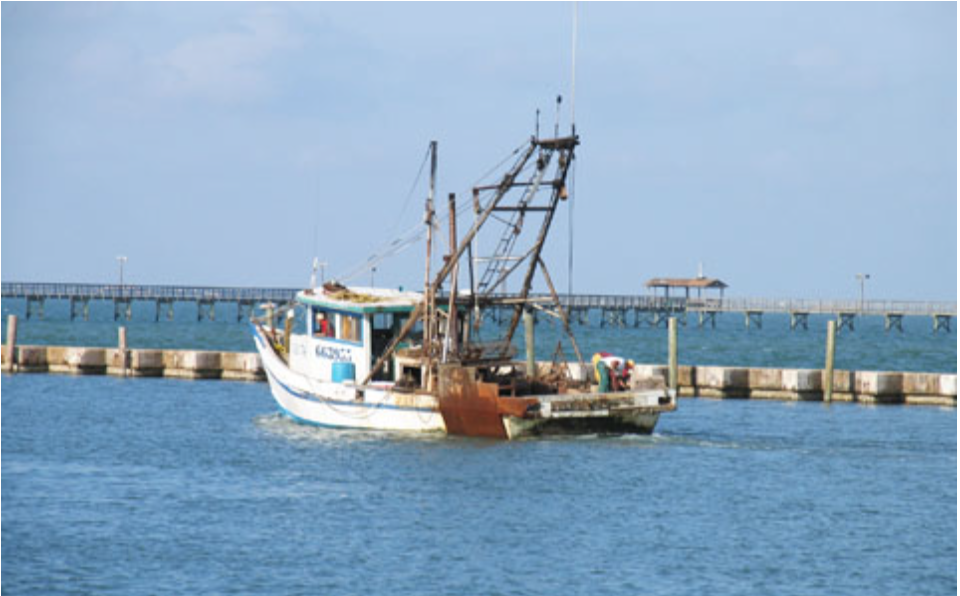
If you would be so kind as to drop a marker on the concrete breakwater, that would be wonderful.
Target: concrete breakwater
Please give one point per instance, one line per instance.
(183, 364)
(874, 387)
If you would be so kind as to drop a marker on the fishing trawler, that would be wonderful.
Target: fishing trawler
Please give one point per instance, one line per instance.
(373, 358)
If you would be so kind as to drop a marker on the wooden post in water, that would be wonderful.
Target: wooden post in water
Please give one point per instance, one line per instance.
(122, 343)
(828, 370)
(11, 346)
(287, 330)
(673, 375)
(529, 337)
(269, 307)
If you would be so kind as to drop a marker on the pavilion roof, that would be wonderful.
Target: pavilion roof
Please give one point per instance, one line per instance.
(685, 282)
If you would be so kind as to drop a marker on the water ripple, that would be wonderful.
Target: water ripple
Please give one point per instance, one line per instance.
(164, 486)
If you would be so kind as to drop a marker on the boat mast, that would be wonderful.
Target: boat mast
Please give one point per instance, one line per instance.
(428, 295)
(450, 341)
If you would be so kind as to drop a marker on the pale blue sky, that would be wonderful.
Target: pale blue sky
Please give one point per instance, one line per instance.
(787, 146)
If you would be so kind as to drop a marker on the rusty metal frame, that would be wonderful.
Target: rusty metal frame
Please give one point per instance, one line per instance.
(505, 185)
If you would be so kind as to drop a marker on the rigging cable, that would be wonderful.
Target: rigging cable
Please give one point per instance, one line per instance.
(417, 232)
(413, 187)
(573, 194)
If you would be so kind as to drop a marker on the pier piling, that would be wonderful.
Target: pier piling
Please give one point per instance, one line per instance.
(941, 322)
(754, 318)
(893, 321)
(847, 320)
(799, 319)
(707, 316)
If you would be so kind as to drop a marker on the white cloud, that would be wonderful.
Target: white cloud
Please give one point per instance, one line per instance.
(234, 64)
(104, 60)
(225, 67)
(816, 58)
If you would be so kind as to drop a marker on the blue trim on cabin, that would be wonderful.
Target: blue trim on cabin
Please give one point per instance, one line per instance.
(346, 342)
(365, 308)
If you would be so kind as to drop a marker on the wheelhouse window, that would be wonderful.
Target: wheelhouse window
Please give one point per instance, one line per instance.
(323, 323)
(330, 324)
(350, 326)
(383, 321)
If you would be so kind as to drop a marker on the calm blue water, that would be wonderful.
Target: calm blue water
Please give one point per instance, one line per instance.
(157, 486)
(869, 347)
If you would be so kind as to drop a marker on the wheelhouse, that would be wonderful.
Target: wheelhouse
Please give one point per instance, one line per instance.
(345, 332)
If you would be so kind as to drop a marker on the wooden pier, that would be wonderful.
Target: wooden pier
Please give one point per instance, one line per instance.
(609, 310)
(845, 311)
(123, 296)
(637, 311)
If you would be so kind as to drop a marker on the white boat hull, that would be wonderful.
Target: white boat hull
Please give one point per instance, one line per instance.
(335, 405)
(379, 407)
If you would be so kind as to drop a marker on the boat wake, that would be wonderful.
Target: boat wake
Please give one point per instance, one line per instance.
(281, 426)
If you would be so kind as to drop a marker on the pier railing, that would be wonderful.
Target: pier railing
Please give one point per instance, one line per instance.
(793, 305)
(764, 305)
(610, 304)
(82, 291)
(589, 301)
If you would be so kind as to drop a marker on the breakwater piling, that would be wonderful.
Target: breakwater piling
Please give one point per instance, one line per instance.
(672, 362)
(10, 346)
(721, 382)
(828, 368)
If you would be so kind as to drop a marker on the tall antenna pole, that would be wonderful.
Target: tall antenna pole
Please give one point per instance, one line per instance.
(573, 73)
(573, 131)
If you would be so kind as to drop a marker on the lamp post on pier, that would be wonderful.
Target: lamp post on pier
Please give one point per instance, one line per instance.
(122, 260)
(862, 278)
